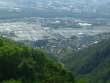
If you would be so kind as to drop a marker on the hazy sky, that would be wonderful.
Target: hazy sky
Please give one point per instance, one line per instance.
(27, 2)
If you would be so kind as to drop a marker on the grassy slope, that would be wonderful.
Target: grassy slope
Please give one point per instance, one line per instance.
(92, 64)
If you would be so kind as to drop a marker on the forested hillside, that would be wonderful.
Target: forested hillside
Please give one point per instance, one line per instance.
(92, 64)
(21, 64)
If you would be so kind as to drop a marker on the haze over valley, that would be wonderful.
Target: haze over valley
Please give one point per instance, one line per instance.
(74, 35)
(55, 25)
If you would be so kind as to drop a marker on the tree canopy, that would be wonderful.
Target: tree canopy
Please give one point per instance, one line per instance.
(21, 64)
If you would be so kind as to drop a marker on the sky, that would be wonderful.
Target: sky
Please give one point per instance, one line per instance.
(11, 3)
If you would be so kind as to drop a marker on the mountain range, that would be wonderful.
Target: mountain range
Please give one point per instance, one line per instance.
(66, 7)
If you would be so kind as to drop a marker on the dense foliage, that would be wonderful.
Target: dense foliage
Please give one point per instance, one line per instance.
(92, 64)
(20, 64)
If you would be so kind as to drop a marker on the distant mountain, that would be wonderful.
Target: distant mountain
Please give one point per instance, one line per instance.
(92, 64)
(83, 7)
(76, 3)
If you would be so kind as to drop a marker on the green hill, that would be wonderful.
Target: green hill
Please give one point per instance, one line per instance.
(92, 64)
(21, 64)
